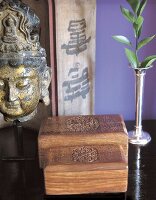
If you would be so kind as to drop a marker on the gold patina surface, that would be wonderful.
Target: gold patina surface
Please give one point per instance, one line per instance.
(24, 74)
(19, 91)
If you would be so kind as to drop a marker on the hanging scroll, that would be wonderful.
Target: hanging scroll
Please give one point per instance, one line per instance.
(75, 43)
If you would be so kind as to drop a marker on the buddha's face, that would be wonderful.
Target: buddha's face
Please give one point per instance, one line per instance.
(19, 91)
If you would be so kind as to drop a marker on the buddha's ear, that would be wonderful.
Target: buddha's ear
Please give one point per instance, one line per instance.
(45, 82)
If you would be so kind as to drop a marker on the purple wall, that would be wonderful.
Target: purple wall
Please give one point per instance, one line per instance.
(114, 85)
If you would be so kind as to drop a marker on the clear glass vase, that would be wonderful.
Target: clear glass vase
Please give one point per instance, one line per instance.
(138, 136)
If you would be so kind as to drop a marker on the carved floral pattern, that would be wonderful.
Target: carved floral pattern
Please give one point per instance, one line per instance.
(85, 154)
(82, 123)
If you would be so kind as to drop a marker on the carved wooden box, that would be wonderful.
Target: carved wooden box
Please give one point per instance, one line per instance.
(84, 154)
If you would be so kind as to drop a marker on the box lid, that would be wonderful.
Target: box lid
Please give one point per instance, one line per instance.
(74, 158)
(59, 136)
(75, 130)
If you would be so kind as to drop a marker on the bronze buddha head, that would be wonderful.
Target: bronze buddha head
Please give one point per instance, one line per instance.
(24, 74)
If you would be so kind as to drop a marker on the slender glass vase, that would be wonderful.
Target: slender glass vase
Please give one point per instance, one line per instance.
(138, 136)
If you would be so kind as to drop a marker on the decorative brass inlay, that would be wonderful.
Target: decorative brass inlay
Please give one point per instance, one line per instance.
(85, 154)
(82, 123)
(24, 74)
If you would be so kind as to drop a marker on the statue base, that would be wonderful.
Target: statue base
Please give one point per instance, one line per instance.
(12, 143)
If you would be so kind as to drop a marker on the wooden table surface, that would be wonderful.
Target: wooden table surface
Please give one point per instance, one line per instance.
(23, 180)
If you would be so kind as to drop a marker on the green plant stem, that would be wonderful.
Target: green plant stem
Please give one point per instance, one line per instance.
(136, 47)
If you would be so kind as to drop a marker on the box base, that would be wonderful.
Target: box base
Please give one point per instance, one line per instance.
(96, 196)
(85, 182)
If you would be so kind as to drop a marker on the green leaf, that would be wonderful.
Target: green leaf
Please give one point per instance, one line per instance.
(127, 14)
(141, 7)
(132, 58)
(134, 5)
(137, 25)
(148, 61)
(122, 39)
(145, 41)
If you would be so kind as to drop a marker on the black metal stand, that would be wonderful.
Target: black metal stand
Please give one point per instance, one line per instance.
(20, 177)
(18, 132)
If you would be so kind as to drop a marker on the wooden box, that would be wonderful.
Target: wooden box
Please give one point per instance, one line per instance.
(84, 154)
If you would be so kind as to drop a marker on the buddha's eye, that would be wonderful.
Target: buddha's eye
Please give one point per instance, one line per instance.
(23, 84)
(2, 84)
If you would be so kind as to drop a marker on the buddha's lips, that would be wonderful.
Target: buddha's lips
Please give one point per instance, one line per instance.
(12, 105)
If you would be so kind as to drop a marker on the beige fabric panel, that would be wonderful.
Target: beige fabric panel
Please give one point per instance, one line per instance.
(75, 42)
